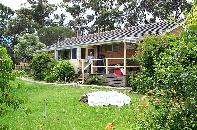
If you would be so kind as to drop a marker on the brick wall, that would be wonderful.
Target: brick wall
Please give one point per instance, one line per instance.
(117, 54)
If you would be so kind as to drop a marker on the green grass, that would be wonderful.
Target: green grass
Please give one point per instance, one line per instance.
(65, 112)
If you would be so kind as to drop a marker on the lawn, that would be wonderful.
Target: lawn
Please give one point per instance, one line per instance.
(64, 111)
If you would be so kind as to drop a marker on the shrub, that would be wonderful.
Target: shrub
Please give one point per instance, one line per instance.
(169, 65)
(19, 73)
(95, 79)
(7, 99)
(5, 70)
(64, 71)
(49, 73)
(41, 65)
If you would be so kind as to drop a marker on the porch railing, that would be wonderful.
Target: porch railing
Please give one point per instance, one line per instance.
(106, 66)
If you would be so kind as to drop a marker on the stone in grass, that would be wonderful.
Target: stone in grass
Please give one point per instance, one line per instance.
(105, 98)
(84, 98)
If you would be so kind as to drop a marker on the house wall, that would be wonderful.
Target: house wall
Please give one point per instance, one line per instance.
(76, 64)
(117, 54)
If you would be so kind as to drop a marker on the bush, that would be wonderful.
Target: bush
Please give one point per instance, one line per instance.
(20, 73)
(169, 65)
(7, 99)
(64, 71)
(5, 70)
(50, 78)
(94, 79)
(49, 73)
(41, 65)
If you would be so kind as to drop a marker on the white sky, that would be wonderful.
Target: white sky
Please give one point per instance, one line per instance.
(16, 4)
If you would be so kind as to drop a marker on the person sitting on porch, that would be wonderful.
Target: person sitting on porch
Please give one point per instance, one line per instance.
(117, 70)
(89, 60)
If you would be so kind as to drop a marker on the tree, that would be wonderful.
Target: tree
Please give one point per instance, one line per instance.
(163, 9)
(21, 24)
(5, 15)
(41, 10)
(109, 14)
(27, 46)
(51, 34)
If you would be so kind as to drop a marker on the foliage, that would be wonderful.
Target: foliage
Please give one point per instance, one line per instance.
(7, 98)
(109, 15)
(164, 9)
(44, 67)
(27, 46)
(50, 75)
(5, 15)
(20, 73)
(40, 64)
(5, 70)
(95, 80)
(51, 34)
(169, 65)
(64, 71)
(19, 25)
(40, 11)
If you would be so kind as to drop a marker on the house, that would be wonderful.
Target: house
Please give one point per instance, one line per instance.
(115, 46)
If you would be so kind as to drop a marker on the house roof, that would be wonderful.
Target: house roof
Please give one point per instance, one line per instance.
(133, 33)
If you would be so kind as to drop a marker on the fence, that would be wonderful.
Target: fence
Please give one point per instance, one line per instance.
(22, 66)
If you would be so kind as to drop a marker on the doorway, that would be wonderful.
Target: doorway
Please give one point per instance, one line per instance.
(91, 50)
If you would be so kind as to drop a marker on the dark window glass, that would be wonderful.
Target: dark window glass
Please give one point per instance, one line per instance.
(64, 54)
(109, 48)
(115, 48)
(83, 53)
(74, 53)
(67, 54)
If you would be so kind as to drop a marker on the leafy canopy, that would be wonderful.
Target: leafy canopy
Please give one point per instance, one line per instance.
(27, 46)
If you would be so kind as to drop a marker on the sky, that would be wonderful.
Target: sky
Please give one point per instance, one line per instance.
(16, 4)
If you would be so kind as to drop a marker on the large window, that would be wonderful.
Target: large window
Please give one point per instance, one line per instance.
(74, 53)
(64, 54)
(113, 48)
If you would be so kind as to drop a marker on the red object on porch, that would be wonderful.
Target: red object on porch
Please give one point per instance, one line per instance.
(117, 72)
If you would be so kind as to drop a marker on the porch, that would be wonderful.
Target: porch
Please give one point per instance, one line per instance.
(106, 59)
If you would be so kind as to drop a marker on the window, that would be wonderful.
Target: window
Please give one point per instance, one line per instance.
(113, 48)
(108, 47)
(64, 54)
(74, 53)
(67, 54)
(83, 53)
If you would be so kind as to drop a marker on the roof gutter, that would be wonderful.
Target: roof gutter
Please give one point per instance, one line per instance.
(133, 40)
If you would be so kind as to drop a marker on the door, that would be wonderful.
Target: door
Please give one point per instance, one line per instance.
(93, 52)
